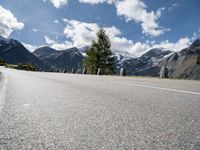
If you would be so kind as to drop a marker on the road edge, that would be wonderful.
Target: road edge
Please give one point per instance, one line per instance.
(3, 85)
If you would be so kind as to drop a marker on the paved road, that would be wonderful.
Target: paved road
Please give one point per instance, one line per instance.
(64, 111)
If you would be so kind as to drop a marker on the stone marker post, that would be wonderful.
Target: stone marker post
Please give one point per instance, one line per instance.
(122, 72)
(73, 70)
(99, 71)
(164, 72)
(84, 71)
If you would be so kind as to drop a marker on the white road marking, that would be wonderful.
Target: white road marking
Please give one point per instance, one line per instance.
(159, 88)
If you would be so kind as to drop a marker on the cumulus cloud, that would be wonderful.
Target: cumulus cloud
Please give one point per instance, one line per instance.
(48, 40)
(131, 10)
(57, 45)
(61, 46)
(136, 10)
(58, 3)
(96, 1)
(8, 22)
(176, 46)
(173, 6)
(81, 34)
(30, 47)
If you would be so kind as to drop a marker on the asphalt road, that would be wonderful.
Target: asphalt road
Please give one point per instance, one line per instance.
(66, 111)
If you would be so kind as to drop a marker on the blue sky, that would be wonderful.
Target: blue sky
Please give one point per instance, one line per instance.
(134, 26)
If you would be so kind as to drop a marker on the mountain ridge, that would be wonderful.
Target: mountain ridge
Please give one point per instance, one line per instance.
(13, 52)
(67, 59)
(184, 64)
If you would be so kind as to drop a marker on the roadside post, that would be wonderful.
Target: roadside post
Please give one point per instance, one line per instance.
(122, 72)
(73, 70)
(84, 71)
(99, 71)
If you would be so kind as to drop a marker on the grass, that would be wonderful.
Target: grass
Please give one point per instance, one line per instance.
(27, 67)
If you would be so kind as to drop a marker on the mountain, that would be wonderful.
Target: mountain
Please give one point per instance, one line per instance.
(13, 52)
(73, 58)
(44, 51)
(146, 65)
(83, 49)
(64, 59)
(186, 63)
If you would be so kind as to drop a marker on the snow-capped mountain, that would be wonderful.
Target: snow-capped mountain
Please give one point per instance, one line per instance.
(185, 64)
(144, 65)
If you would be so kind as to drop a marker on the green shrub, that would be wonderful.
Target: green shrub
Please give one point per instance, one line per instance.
(2, 62)
(28, 67)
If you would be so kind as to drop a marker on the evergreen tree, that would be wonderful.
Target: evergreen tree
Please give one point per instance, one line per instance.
(99, 55)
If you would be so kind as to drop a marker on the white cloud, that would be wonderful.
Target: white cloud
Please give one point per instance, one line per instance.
(30, 47)
(34, 30)
(81, 34)
(177, 46)
(96, 1)
(8, 22)
(56, 21)
(48, 40)
(173, 6)
(61, 46)
(57, 45)
(136, 10)
(58, 3)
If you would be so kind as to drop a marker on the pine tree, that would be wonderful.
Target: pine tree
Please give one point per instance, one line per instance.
(99, 55)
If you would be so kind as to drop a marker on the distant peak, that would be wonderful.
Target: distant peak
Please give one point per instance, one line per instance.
(9, 41)
(196, 43)
(3, 38)
(45, 47)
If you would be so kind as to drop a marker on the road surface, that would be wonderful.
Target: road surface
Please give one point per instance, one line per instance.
(70, 111)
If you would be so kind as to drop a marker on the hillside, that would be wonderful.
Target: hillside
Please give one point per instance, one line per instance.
(186, 63)
(13, 52)
(64, 59)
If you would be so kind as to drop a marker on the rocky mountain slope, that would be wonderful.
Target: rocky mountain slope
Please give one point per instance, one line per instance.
(66, 59)
(42, 52)
(73, 58)
(146, 65)
(13, 52)
(185, 64)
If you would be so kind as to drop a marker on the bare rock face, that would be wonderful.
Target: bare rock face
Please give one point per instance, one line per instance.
(186, 63)
(43, 52)
(61, 59)
(146, 65)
